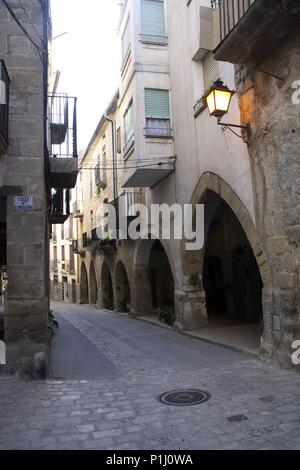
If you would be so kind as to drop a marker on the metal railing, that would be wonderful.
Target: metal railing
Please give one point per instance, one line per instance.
(4, 105)
(158, 132)
(231, 12)
(53, 265)
(63, 126)
(133, 198)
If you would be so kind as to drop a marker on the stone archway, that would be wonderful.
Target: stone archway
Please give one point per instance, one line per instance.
(84, 288)
(93, 285)
(122, 289)
(154, 280)
(106, 287)
(193, 312)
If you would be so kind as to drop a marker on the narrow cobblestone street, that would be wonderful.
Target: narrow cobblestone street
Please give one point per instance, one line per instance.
(108, 371)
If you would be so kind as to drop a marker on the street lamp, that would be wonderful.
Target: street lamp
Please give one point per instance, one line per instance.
(218, 99)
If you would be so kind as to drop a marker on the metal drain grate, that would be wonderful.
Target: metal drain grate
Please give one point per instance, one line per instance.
(186, 397)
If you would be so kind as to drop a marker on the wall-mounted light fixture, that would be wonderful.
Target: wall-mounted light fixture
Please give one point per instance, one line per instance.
(218, 100)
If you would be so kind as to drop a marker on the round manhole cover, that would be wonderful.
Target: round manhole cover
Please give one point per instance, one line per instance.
(184, 397)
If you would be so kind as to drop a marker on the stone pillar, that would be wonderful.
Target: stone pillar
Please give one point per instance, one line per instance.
(190, 306)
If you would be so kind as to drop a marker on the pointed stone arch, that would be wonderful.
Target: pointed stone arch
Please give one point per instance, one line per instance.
(84, 285)
(122, 289)
(192, 312)
(143, 301)
(106, 287)
(93, 285)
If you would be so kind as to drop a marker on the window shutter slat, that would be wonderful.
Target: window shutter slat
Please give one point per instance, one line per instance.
(157, 104)
(153, 19)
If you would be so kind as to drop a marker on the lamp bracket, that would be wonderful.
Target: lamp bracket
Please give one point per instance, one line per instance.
(245, 129)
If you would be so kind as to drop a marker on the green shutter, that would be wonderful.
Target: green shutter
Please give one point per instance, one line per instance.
(157, 104)
(153, 20)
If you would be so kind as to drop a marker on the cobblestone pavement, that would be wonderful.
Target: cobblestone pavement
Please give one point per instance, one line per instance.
(108, 398)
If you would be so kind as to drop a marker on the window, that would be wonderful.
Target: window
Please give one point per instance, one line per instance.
(4, 101)
(126, 40)
(153, 21)
(128, 127)
(103, 162)
(119, 145)
(92, 219)
(91, 185)
(97, 172)
(157, 113)
(63, 256)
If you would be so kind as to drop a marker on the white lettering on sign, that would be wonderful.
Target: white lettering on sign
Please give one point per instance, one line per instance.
(24, 203)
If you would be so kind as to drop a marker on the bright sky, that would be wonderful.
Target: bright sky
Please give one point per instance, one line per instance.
(88, 57)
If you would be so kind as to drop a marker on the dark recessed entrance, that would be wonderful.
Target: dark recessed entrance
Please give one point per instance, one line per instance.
(231, 276)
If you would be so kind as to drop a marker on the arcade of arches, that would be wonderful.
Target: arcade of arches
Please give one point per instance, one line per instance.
(232, 271)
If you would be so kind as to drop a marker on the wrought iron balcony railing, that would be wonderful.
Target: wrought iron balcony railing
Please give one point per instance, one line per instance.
(230, 13)
(160, 132)
(63, 126)
(4, 106)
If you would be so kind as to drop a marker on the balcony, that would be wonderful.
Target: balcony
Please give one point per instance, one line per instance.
(100, 179)
(4, 106)
(249, 30)
(158, 132)
(200, 29)
(78, 248)
(59, 206)
(77, 210)
(124, 206)
(53, 265)
(63, 141)
(147, 175)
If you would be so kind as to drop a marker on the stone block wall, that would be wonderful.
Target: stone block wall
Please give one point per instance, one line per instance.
(26, 330)
(267, 104)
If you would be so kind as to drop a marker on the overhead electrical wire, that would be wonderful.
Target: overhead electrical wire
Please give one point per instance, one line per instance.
(33, 27)
(9, 9)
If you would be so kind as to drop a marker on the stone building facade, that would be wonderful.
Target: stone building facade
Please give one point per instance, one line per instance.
(267, 79)
(38, 169)
(23, 192)
(243, 282)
